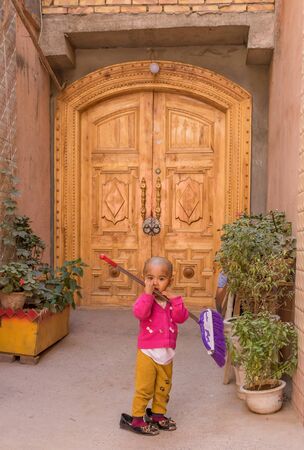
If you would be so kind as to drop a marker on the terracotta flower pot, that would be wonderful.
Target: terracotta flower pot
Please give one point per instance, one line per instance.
(14, 300)
(265, 401)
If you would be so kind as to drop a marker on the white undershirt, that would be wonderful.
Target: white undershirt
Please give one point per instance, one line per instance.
(163, 355)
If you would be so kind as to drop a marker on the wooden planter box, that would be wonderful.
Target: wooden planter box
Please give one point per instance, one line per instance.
(28, 333)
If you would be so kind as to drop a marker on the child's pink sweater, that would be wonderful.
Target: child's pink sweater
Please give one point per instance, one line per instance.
(157, 327)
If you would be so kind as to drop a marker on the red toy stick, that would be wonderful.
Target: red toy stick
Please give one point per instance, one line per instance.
(138, 280)
(210, 321)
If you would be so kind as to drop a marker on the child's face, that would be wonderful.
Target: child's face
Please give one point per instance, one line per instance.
(159, 274)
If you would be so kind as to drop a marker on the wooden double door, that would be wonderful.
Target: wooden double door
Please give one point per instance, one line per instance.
(151, 154)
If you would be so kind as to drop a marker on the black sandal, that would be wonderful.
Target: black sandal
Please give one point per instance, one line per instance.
(126, 424)
(166, 424)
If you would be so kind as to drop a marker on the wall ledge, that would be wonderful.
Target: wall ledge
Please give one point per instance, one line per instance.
(62, 34)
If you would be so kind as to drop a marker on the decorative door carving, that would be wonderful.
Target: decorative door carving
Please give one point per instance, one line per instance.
(116, 154)
(130, 145)
(189, 151)
(163, 154)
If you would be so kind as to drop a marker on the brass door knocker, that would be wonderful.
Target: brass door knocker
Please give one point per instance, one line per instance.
(151, 225)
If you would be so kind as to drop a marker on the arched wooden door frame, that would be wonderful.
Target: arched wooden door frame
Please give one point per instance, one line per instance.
(186, 79)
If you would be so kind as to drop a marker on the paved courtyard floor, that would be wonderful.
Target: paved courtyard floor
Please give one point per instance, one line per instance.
(73, 398)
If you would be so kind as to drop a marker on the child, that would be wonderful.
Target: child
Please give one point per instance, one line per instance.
(156, 344)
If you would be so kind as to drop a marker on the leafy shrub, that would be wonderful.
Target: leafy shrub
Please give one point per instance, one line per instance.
(21, 255)
(57, 288)
(261, 339)
(257, 255)
(17, 277)
(29, 247)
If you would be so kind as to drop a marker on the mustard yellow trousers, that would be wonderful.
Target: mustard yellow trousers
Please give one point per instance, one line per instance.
(152, 381)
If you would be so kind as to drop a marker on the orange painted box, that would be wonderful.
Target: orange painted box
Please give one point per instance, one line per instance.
(29, 333)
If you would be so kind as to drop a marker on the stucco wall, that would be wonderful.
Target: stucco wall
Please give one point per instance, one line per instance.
(33, 136)
(286, 151)
(295, 26)
(226, 60)
(284, 110)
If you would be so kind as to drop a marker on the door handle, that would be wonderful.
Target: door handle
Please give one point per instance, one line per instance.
(151, 225)
(158, 188)
(143, 187)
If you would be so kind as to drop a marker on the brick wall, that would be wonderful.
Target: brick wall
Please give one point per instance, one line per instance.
(155, 6)
(7, 90)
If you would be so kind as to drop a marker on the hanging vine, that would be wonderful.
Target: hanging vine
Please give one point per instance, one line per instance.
(18, 242)
(8, 193)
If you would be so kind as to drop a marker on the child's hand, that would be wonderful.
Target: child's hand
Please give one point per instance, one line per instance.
(169, 294)
(149, 286)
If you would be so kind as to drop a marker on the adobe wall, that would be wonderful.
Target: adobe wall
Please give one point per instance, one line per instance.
(284, 110)
(286, 151)
(297, 27)
(33, 136)
(25, 120)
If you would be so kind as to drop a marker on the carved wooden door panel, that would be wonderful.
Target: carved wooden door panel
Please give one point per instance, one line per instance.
(177, 144)
(116, 153)
(188, 162)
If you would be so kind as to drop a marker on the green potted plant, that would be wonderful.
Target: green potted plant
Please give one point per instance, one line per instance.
(56, 289)
(26, 276)
(49, 292)
(17, 282)
(261, 339)
(49, 295)
(257, 255)
(18, 277)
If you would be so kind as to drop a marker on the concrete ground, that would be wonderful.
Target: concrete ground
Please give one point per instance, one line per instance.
(73, 398)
